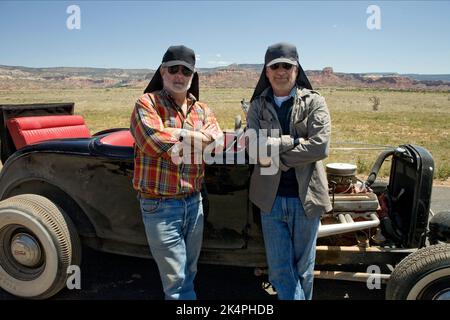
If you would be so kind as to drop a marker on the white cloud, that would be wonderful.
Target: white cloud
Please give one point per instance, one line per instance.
(219, 62)
(218, 55)
(197, 57)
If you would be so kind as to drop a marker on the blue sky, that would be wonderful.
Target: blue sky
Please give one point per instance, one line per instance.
(414, 35)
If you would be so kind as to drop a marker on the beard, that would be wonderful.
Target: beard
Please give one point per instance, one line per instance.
(178, 87)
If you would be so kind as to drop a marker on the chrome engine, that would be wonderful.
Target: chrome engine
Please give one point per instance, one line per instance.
(354, 219)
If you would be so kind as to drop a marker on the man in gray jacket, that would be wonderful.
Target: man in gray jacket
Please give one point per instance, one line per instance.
(293, 199)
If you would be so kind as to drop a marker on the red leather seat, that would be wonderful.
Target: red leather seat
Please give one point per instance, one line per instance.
(28, 130)
(119, 138)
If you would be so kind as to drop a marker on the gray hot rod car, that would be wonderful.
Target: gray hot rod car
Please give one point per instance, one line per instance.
(61, 187)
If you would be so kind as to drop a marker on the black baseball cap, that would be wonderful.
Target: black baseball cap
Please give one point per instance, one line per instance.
(281, 52)
(179, 55)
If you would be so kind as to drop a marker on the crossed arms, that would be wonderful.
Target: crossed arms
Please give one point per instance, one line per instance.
(298, 151)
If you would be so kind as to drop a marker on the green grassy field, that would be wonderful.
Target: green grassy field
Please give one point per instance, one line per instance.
(421, 118)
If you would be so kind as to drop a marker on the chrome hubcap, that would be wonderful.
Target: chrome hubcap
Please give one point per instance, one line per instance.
(25, 250)
(443, 295)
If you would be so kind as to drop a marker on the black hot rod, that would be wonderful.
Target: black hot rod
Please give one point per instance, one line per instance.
(61, 188)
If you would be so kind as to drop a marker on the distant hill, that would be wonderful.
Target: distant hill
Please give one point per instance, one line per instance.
(75, 71)
(231, 76)
(428, 77)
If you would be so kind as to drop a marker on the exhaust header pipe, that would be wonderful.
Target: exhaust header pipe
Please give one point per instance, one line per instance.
(346, 224)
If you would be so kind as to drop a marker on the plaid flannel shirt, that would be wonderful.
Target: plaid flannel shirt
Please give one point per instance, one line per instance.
(154, 171)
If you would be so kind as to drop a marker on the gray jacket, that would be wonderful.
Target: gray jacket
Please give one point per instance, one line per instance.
(311, 121)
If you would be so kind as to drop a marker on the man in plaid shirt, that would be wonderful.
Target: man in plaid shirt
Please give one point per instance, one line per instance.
(168, 121)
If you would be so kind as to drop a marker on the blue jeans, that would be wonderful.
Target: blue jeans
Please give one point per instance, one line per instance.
(174, 229)
(290, 241)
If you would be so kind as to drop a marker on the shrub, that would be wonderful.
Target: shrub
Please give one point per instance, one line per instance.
(375, 102)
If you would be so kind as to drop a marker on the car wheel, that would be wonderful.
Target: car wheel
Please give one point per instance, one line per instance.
(440, 227)
(38, 242)
(422, 275)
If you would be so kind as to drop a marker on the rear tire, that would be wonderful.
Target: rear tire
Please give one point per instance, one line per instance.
(38, 242)
(422, 275)
(440, 227)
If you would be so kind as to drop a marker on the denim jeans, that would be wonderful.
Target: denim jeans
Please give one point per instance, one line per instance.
(290, 240)
(174, 229)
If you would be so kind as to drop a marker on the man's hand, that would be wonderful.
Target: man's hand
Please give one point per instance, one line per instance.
(265, 161)
(209, 127)
(175, 132)
(195, 141)
(299, 141)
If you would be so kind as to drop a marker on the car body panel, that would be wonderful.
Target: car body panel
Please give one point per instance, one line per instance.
(99, 179)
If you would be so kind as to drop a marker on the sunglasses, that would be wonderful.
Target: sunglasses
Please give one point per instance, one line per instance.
(184, 70)
(286, 66)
